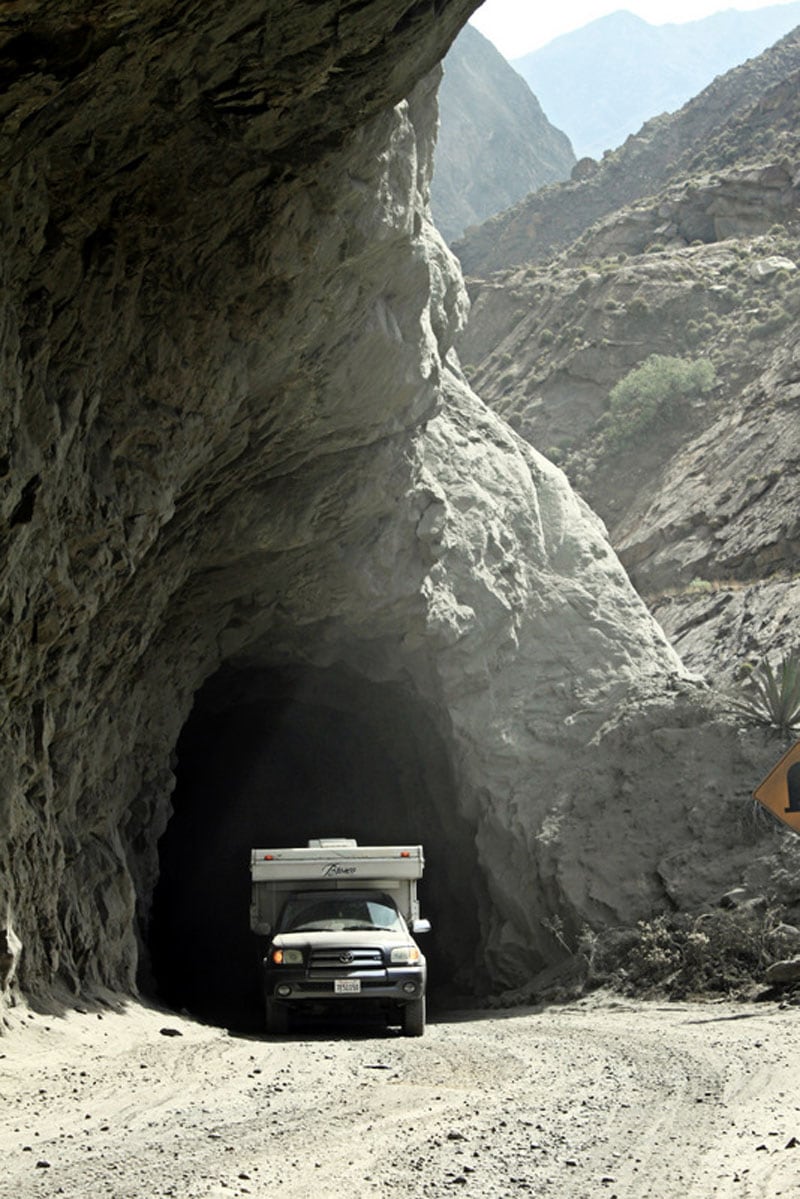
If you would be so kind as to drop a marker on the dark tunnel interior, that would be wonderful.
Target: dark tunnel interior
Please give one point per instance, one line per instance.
(272, 758)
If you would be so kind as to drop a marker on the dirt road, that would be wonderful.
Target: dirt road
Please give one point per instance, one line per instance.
(598, 1098)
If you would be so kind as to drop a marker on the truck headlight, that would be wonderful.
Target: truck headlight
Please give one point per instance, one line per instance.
(287, 957)
(406, 954)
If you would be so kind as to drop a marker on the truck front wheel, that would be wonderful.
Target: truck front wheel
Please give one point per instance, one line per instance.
(413, 1018)
(277, 1018)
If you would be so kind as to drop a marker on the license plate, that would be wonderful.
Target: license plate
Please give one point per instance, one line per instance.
(347, 986)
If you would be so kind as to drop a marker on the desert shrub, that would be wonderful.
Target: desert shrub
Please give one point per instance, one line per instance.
(678, 954)
(638, 306)
(546, 337)
(652, 391)
(776, 319)
(771, 697)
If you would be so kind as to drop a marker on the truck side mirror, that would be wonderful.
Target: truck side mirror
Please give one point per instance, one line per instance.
(420, 926)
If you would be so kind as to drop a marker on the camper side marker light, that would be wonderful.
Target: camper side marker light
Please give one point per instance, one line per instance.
(405, 854)
(268, 857)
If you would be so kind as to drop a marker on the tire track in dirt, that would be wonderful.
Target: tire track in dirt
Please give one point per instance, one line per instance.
(598, 1098)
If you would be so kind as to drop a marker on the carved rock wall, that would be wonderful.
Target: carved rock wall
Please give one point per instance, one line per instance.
(237, 435)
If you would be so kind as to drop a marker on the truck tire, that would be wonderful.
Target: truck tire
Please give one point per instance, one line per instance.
(413, 1018)
(277, 1018)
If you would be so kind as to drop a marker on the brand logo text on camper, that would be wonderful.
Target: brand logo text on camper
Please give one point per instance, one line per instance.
(335, 869)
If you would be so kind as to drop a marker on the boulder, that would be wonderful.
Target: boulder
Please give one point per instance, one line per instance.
(784, 972)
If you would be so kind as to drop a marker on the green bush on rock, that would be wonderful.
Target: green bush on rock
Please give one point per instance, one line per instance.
(652, 392)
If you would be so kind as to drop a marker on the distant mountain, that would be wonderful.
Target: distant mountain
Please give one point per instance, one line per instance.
(738, 108)
(495, 143)
(603, 81)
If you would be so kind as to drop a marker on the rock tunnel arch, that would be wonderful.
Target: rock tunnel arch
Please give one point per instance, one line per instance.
(275, 756)
(272, 439)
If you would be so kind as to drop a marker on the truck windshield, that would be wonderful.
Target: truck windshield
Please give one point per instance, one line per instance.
(339, 910)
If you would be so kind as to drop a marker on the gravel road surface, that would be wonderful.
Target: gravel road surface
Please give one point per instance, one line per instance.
(597, 1098)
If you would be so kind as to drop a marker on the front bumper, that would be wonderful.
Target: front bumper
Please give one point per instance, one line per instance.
(293, 984)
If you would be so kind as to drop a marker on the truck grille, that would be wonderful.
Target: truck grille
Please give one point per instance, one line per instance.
(343, 962)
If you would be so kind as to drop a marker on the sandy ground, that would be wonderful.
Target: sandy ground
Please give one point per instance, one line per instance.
(597, 1098)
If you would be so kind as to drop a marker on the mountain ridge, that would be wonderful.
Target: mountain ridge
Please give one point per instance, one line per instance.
(495, 143)
(622, 70)
(739, 102)
(695, 255)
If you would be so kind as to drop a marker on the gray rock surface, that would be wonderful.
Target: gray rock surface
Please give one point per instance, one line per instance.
(237, 435)
(787, 971)
(718, 628)
(735, 516)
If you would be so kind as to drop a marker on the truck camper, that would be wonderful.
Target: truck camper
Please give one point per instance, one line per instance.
(341, 920)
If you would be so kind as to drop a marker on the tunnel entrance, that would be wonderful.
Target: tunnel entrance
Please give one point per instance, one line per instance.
(272, 758)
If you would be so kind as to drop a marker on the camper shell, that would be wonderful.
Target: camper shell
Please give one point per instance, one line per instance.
(341, 919)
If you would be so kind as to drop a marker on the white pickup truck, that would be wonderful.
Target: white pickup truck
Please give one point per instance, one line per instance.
(341, 919)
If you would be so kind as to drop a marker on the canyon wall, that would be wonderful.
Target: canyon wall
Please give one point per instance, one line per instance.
(238, 441)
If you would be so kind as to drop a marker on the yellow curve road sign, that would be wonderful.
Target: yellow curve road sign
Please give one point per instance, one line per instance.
(780, 790)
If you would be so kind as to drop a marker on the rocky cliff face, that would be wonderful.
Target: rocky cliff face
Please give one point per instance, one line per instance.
(701, 505)
(253, 511)
(746, 114)
(495, 144)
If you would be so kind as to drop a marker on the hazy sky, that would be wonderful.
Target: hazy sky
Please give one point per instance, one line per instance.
(517, 26)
